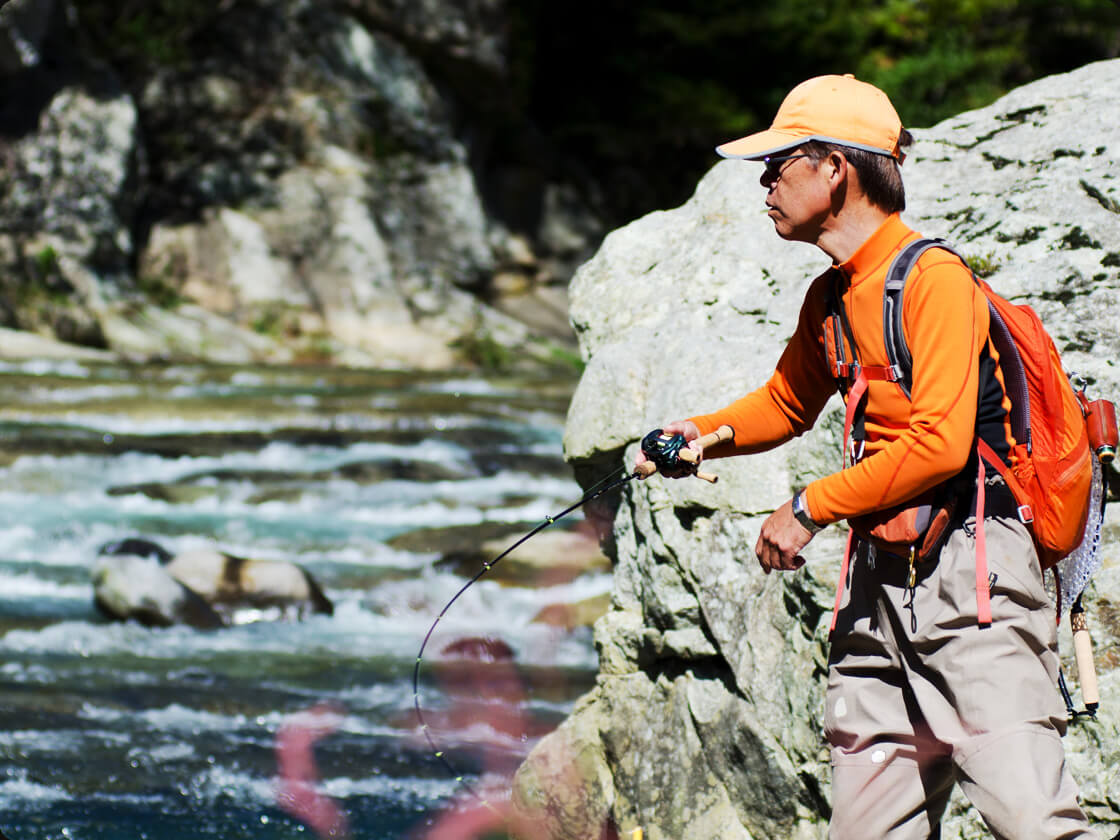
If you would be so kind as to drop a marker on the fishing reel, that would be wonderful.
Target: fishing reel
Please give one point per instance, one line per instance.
(664, 449)
(671, 453)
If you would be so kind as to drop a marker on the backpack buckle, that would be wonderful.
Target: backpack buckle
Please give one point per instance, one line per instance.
(1026, 515)
(855, 450)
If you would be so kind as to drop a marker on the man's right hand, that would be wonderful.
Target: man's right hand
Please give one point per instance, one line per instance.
(688, 429)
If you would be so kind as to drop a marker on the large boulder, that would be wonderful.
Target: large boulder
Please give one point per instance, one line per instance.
(308, 185)
(706, 721)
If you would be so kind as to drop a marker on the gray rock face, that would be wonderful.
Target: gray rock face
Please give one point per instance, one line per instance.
(306, 186)
(706, 721)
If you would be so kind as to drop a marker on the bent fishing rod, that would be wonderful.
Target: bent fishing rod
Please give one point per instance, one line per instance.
(666, 452)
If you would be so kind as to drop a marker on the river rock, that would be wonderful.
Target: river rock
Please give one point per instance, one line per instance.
(706, 720)
(135, 578)
(583, 613)
(137, 588)
(551, 557)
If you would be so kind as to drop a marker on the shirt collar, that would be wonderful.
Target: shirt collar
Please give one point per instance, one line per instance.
(876, 250)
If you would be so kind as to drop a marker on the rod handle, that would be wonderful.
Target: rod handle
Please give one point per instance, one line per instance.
(648, 468)
(721, 434)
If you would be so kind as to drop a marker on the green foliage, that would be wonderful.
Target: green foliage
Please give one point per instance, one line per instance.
(147, 32)
(983, 265)
(564, 358)
(643, 91)
(43, 281)
(482, 350)
(46, 262)
(275, 320)
(159, 290)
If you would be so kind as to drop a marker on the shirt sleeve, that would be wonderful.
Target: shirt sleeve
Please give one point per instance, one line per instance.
(791, 400)
(945, 323)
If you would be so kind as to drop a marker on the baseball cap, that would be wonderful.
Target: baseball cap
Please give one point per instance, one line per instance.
(832, 109)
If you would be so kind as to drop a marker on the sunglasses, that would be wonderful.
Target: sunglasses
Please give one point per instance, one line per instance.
(775, 164)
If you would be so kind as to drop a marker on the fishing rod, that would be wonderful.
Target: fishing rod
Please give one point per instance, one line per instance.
(667, 452)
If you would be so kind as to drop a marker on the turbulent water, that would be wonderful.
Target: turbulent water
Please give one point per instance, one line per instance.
(115, 730)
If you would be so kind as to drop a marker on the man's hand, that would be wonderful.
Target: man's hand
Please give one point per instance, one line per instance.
(780, 540)
(691, 433)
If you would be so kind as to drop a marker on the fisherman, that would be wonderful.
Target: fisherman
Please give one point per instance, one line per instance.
(921, 693)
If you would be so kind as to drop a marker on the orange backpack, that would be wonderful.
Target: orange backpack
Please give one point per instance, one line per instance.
(1051, 469)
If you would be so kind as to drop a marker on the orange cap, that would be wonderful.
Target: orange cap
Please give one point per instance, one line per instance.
(832, 109)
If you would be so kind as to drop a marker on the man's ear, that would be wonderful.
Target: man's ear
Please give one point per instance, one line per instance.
(837, 169)
(838, 172)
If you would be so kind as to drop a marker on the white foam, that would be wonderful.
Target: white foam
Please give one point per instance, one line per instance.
(19, 793)
(30, 586)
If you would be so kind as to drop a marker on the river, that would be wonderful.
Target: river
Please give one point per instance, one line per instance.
(370, 480)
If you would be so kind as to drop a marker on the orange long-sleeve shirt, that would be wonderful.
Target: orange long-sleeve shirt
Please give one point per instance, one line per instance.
(912, 444)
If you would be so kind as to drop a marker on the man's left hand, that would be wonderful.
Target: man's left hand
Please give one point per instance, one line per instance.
(780, 540)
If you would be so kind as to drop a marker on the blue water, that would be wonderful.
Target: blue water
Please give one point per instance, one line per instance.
(112, 730)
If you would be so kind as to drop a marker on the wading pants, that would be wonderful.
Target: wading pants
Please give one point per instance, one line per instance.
(921, 697)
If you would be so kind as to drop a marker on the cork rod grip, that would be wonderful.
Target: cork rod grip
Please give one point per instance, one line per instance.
(711, 439)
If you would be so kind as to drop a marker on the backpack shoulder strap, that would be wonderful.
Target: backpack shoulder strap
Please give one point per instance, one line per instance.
(898, 354)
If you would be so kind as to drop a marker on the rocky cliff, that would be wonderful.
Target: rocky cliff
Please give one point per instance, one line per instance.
(275, 180)
(706, 721)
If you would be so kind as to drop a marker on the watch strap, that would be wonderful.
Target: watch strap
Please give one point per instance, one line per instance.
(801, 513)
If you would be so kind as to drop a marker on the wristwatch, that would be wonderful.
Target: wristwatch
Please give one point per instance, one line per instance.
(801, 513)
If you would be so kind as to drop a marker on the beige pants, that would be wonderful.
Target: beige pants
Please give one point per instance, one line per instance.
(921, 697)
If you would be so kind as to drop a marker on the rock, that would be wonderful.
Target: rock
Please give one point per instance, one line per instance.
(580, 614)
(20, 344)
(568, 788)
(138, 579)
(550, 557)
(706, 720)
(129, 587)
(230, 582)
(307, 188)
(70, 202)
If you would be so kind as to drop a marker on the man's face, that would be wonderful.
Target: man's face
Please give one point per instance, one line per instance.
(798, 197)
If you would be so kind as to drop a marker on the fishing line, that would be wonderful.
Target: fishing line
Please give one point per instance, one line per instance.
(607, 484)
(664, 451)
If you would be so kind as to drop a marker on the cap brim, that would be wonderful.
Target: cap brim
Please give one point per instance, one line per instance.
(760, 145)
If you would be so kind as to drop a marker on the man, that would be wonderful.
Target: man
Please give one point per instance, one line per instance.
(923, 692)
